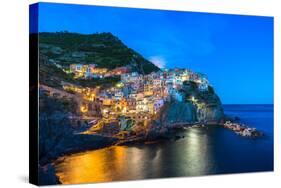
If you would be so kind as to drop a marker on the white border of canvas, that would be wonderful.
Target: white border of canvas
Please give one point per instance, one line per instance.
(14, 90)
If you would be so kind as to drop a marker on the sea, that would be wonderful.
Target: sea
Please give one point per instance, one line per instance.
(202, 151)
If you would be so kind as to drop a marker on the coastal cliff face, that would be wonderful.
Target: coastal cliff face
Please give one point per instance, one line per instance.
(212, 113)
(196, 106)
(178, 112)
(57, 132)
(184, 112)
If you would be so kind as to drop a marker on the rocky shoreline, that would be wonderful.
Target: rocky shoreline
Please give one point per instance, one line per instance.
(86, 142)
(167, 133)
(242, 129)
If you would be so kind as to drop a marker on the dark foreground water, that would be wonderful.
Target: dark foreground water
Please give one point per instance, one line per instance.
(203, 151)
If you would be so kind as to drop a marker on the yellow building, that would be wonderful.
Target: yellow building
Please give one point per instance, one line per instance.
(107, 102)
(101, 71)
(121, 105)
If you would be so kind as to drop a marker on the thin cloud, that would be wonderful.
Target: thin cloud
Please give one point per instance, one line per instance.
(158, 61)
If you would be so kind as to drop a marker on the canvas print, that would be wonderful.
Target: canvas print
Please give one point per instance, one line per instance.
(130, 94)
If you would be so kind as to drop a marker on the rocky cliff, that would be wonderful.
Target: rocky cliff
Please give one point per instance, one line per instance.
(178, 112)
(196, 106)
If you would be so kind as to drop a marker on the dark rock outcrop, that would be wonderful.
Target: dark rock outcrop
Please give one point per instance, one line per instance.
(178, 112)
(197, 106)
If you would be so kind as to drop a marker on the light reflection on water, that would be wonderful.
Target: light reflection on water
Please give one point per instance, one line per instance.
(185, 157)
(202, 151)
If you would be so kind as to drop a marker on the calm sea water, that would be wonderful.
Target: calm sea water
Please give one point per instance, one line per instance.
(202, 151)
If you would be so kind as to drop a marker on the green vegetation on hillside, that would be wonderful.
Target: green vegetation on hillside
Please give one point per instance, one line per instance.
(103, 49)
(190, 89)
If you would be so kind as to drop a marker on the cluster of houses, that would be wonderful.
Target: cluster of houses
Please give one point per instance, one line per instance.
(137, 96)
(92, 71)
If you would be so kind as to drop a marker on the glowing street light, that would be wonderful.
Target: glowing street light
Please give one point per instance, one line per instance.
(83, 108)
(192, 98)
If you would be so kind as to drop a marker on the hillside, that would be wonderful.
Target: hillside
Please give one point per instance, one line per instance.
(103, 49)
(53, 76)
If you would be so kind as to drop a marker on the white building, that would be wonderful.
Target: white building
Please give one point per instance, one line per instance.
(158, 104)
(203, 86)
(142, 105)
(76, 67)
(118, 95)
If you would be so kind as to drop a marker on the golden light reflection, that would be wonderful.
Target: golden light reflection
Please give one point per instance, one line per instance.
(88, 167)
(189, 156)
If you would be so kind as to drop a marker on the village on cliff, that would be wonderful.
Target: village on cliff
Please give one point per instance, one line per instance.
(136, 98)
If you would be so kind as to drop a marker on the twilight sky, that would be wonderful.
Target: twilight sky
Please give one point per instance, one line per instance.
(236, 52)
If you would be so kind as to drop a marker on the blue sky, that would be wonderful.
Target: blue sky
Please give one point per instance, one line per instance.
(236, 52)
